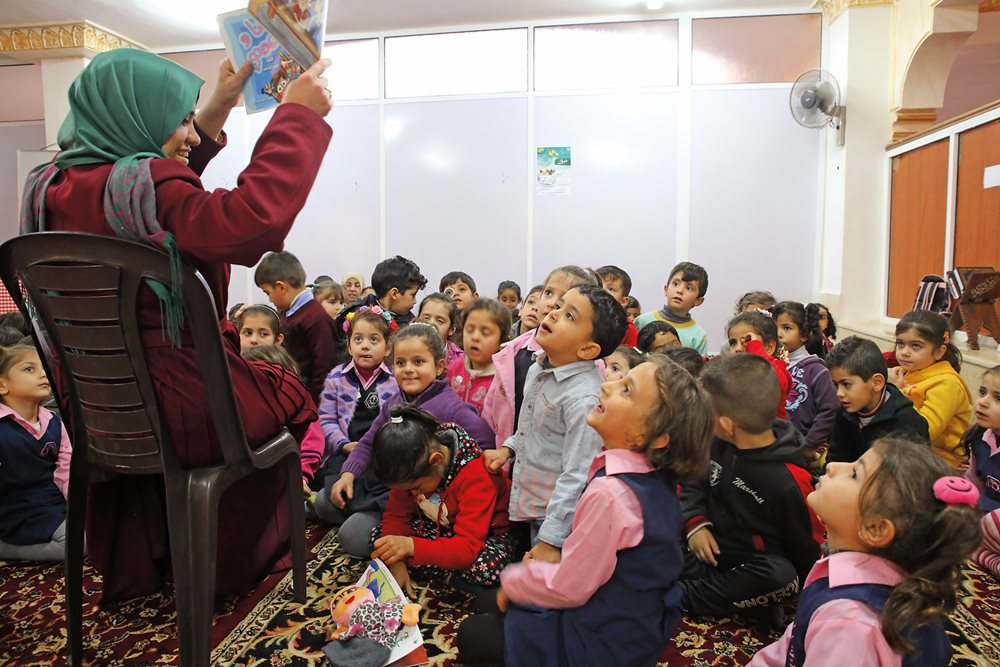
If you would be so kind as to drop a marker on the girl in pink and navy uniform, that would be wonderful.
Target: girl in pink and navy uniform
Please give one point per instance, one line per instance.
(34, 462)
(899, 529)
(439, 311)
(984, 467)
(614, 597)
(486, 328)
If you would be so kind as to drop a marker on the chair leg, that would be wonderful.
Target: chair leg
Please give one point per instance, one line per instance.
(297, 526)
(76, 512)
(193, 518)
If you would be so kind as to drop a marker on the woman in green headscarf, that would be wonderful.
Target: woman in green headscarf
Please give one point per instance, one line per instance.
(132, 152)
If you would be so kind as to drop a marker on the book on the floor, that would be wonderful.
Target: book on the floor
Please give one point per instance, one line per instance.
(409, 649)
(282, 38)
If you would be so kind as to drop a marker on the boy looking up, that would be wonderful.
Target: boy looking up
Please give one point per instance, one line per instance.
(460, 287)
(619, 284)
(685, 290)
(553, 446)
(870, 408)
(751, 537)
(308, 329)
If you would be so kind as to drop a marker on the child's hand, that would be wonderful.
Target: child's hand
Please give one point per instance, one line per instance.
(343, 490)
(495, 458)
(402, 576)
(544, 552)
(703, 545)
(503, 602)
(349, 447)
(896, 376)
(393, 548)
(306, 491)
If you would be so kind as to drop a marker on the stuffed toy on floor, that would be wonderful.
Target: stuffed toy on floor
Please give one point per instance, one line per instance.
(366, 628)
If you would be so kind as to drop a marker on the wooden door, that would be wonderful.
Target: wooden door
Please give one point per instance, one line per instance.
(977, 213)
(916, 222)
(977, 209)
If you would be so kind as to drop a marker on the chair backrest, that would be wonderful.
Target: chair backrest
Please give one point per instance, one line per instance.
(932, 294)
(81, 293)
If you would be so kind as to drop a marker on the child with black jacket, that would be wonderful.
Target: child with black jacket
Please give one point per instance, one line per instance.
(870, 407)
(751, 537)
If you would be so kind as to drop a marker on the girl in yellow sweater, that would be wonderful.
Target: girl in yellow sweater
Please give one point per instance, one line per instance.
(928, 375)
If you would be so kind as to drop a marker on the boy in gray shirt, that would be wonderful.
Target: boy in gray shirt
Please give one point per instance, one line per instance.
(553, 447)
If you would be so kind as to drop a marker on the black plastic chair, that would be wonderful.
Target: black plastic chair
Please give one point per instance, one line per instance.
(80, 293)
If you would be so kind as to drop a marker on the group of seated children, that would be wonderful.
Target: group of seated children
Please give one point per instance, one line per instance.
(589, 477)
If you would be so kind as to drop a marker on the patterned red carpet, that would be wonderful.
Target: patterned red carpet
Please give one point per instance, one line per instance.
(266, 628)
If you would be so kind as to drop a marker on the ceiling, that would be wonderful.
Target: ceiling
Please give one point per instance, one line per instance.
(171, 25)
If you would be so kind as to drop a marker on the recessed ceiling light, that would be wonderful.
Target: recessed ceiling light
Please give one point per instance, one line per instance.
(654, 5)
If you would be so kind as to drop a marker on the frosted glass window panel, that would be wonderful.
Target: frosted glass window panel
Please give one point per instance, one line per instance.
(456, 188)
(606, 55)
(755, 49)
(354, 72)
(338, 228)
(622, 205)
(222, 172)
(754, 198)
(459, 63)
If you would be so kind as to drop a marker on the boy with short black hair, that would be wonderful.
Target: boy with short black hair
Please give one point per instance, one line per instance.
(618, 283)
(396, 282)
(870, 408)
(685, 290)
(309, 331)
(751, 537)
(460, 287)
(553, 446)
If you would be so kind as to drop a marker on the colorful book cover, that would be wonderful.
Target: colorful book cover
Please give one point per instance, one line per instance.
(409, 649)
(298, 24)
(273, 66)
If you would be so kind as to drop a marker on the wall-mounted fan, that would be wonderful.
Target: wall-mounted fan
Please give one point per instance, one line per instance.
(815, 102)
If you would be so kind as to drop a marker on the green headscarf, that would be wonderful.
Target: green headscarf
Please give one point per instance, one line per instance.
(125, 104)
(123, 107)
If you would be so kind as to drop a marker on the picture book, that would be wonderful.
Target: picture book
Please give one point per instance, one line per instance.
(298, 25)
(409, 649)
(273, 66)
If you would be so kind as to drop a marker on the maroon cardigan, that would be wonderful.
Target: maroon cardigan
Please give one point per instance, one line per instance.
(126, 526)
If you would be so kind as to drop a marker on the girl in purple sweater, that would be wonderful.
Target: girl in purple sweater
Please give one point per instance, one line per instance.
(356, 499)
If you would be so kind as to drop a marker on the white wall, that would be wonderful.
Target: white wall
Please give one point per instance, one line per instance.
(14, 137)
(720, 175)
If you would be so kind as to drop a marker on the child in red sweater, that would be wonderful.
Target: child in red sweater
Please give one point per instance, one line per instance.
(445, 510)
(755, 331)
(486, 328)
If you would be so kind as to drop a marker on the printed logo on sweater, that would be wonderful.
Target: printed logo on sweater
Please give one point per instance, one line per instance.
(50, 451)
(798, 393)
(714, 473)
(992, 483)
(371, 401)
(743, 486)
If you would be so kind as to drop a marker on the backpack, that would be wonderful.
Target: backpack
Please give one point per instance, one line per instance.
(933, 294)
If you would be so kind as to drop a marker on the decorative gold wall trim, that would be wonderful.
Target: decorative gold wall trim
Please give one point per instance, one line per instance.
(49, 39)
(834, 8)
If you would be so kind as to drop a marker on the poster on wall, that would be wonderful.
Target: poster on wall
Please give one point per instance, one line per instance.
(553, 170)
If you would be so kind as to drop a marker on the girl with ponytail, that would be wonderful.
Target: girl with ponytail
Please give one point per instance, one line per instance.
(446, 514)
(928, 374)
(899, 528)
